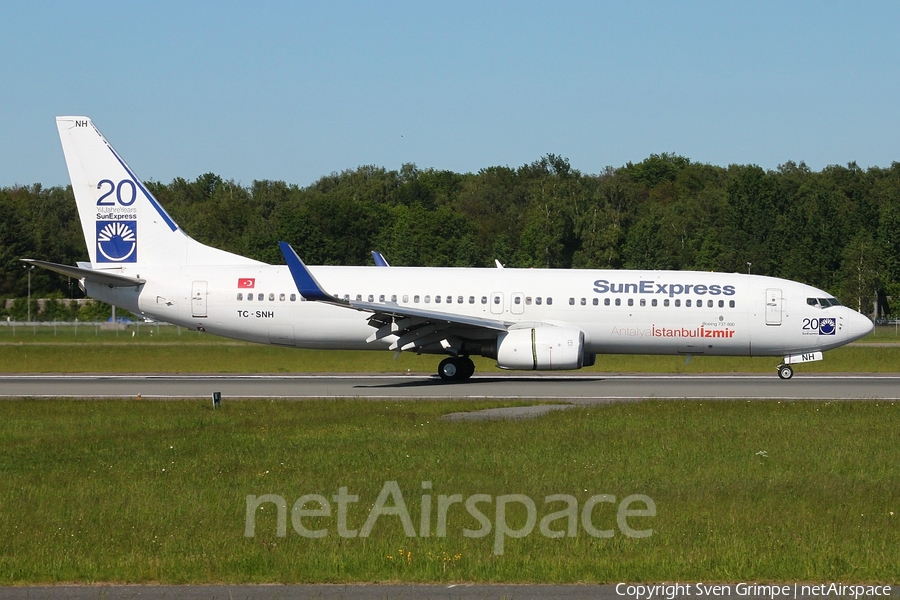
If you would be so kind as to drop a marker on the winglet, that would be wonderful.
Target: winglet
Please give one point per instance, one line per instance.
(306, 284)
(379, 259)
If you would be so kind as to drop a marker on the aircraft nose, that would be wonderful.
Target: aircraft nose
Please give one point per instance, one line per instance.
(858, 325)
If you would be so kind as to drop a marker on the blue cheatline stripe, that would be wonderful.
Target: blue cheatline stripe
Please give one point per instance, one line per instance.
(162, 212)
(306, 284)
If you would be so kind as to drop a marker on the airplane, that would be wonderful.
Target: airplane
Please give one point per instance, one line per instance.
(525, 319)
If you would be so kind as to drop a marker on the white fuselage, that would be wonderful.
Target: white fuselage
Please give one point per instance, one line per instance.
(641, 312)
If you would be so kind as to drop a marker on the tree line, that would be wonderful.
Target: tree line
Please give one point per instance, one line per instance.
(837, 229)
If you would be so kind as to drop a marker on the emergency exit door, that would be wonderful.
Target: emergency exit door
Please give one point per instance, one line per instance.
(773, 306)
(198, 298)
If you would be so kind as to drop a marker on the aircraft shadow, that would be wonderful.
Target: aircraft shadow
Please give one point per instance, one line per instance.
(437, 382)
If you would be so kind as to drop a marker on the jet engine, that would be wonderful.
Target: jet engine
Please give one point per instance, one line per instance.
(541, 348)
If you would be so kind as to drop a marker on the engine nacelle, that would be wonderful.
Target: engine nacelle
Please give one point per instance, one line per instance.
(541, 348)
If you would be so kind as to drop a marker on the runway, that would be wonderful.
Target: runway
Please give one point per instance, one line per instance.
(578, 389)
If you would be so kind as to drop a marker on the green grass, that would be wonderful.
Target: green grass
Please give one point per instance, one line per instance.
(168, 349)
(100, 491)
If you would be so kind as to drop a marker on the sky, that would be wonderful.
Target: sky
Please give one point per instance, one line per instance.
(294, 91)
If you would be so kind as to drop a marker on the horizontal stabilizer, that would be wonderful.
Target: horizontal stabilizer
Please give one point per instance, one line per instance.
(93, 275)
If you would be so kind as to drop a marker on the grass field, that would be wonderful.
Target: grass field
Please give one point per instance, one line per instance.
(136, 491)
(168, 349)
(99, 491)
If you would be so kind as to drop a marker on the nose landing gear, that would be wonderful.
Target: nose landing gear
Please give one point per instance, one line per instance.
(785, 371)
(456, 368)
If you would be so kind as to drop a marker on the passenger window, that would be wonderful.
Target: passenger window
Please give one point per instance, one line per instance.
(293, 297)
(687, 303)
(484, 299)
(517, 300)
(459, 300)
(678, 302)
(571, 301)
(416, 299)
(721, 304)
(653, 302)
(427, 298)
(606, 302)
(281, 297)
(449, 299)
(371, 298)
(347, 297)
(471, 299)
(271, 297)
(549, 301)
(240, 296)
(618, 302)
(643, 302)
(528, 300)
(381, 297)
(496, 299)
(631, 302)
(405, 298)
(583, 302)
(249, 297)
(596, 301)
(709, 304)
(538, 300)
(731, 303)
(359, 297)
(437, 299)
(260, 297)
(666, 302)
(393, 297)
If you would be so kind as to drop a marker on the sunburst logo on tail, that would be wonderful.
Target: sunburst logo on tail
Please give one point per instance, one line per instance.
(117, 241)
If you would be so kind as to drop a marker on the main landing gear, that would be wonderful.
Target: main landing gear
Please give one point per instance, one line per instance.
(785, 371)
(456, 368)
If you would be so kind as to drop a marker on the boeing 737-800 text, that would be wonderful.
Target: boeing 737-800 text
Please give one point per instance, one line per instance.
(528, 319)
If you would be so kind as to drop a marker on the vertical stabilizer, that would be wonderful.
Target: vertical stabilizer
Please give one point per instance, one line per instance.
(123, 224)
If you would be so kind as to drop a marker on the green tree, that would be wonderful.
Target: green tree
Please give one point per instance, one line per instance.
(860, 273)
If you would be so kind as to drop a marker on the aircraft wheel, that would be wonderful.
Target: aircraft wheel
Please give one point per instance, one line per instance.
(451, 369)
(468, 367)
(456, 368)
(785, 371)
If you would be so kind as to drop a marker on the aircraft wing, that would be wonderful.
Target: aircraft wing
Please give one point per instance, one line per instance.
(414, 327)
(94, 275)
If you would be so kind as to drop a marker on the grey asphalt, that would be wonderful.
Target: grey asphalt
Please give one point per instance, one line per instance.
(577, 389)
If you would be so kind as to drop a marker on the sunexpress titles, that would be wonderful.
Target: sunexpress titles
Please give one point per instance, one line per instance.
(603, 286)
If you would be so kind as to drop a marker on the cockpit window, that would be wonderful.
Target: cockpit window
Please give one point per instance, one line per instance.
(823, 302)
